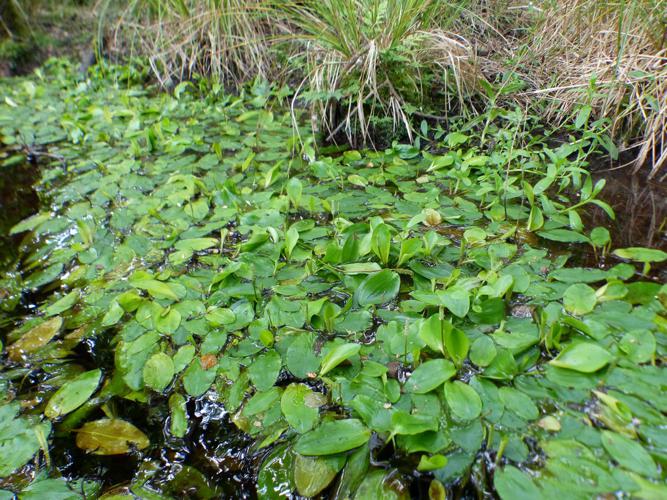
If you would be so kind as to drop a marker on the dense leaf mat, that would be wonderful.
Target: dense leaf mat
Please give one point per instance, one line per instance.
(369, 321)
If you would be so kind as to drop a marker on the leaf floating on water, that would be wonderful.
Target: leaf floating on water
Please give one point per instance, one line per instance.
(463, 400)
(294, 403)
(584, 357)
(333, 437)
(73, 394)
(579, 299)
(20, 438)
(629, 454)
(158, 371)
(378, 288)
(337, 355)
(430, 375)
(640, 254)
(514, 484)
(313, 474)
(110, 437)
(35, 338)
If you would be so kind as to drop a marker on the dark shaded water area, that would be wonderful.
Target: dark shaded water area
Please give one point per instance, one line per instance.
(216, 460)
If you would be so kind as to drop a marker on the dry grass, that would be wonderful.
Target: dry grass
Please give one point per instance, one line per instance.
(611, 56)
(226, 39)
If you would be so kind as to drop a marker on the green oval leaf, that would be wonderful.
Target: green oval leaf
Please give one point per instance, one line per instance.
(158, 371)
(584, 357)
(337, 355)
(333, 437)
(463, 400)
(430, 375)
(73, 394)
(378, 288)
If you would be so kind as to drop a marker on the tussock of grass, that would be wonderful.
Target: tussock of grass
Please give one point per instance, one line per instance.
(227, 39)
(370, 58)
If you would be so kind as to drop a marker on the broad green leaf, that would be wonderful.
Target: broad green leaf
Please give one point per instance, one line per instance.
(300, 406)
(410, 424)
(73, 394)
(198, 378)
(158, 371)
(20, 438)
(640, 254)
(463, 401)
(584, 357)
(159, 289)
(378, 288)
(629, 454)
(196, 244)
(457, 300)
(264, 370)
(333, 437)
(456, 343)
(483, 351)
(430, 375)
(579, 299)
(514, 484)
(337, 355)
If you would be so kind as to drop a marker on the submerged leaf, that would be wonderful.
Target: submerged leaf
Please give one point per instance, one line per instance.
(110, 437)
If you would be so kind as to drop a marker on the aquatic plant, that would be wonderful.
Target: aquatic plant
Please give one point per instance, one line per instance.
(370, 323)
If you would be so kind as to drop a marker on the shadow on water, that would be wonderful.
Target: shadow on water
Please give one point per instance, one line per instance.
(18, 200)
(640, 206)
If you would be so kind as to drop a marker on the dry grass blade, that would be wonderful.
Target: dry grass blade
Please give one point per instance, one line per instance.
(611, 56)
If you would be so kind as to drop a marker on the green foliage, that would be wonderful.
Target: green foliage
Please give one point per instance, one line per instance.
(325, 303)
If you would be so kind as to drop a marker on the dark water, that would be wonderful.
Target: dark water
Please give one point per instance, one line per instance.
(216, 459)
(18, 200)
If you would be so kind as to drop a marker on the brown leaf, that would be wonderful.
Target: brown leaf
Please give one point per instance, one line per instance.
(35, 338)
(208, 361)
(110, 436)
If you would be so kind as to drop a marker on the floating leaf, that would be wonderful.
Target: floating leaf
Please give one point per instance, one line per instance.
(463, 400)
(300, 408)
(579, 299)
(20, 438)
(35, 338)
(513, 484)
(333, 437)
(378, 288)
(73, 394)
(640, 254)
(584, 357)
(430, 375)
(178, 425)
(313, 474)
(629, 454)
(337, 355)
(158, 371)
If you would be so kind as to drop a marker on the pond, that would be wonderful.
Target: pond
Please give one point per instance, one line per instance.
(196, 303)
